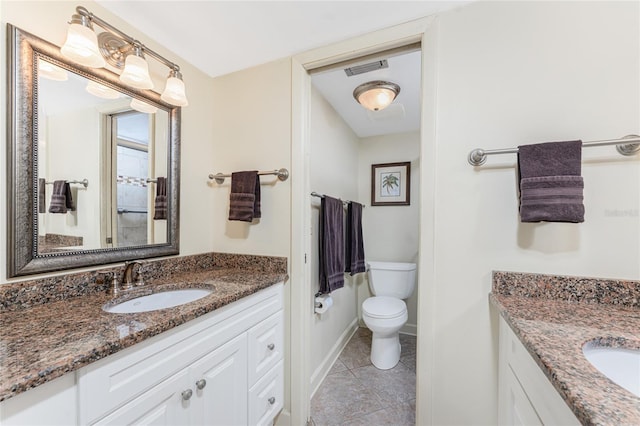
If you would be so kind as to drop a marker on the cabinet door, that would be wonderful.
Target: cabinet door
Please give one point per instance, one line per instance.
(520, 412)
(219, 380)
(161, 405)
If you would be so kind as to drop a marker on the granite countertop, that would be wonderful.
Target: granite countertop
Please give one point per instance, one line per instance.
(46, 341)
(555, 324)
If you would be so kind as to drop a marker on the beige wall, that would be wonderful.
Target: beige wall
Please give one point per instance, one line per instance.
(333, 171)
(512, 73)
(47, 19)
(251, 118)
(390, 232)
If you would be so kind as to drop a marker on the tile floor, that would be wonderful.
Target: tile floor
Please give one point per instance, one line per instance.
(357, 393)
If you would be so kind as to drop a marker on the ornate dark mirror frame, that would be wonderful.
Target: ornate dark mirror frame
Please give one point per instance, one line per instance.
(23, 51)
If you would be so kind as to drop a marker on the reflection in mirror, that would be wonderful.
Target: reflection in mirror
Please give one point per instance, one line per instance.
(93, 170)
(82, 124)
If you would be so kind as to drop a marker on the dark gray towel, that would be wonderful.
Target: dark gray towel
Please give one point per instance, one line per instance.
(331, 241)
(68, 198)
(160, 202)
(354, 250)
(244, 199)
(42, 197)
(551, 188)
(61, 199)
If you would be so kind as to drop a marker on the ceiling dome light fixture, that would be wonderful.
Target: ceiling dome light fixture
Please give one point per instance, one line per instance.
(376, 95)
(120, 51)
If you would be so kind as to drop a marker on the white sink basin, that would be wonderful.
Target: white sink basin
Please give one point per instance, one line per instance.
(156, 301)
(620, 365)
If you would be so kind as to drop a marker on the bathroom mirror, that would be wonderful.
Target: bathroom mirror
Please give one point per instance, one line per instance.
(85, 164)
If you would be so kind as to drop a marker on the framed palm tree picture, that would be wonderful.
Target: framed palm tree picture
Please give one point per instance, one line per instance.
(391, 184)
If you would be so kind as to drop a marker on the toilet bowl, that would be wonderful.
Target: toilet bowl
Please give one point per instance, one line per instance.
(384, 316)
(385, 313)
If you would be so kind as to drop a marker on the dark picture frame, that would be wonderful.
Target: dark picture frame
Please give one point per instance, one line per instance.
(391, 184)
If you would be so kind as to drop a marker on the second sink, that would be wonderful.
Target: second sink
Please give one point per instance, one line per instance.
(156, 301)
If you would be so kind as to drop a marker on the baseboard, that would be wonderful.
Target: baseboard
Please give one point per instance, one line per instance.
(325, 366)
(411, 329)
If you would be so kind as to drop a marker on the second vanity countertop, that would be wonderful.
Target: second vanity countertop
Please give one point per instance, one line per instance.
(46, 341)
(554, 332)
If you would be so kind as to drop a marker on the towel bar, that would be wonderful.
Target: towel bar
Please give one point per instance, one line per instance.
(628, 145)
(315, 194)
(283, 174)
(83, 182)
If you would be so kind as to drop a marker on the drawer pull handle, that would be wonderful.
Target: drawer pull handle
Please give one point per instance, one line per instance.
(200, 384)
(271, 346)
(186, 395)
(272, 400)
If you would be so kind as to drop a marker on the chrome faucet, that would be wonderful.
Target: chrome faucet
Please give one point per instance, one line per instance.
(127, 276)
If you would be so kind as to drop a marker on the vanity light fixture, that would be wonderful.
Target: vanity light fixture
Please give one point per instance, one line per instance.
(121, 51)
(52, 72)
(140, 106)
(101, 91)
(376, 95)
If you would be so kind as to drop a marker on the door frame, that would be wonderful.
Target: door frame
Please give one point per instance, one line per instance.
(422, 30)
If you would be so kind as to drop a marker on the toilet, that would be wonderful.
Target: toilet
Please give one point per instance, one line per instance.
(385, 313)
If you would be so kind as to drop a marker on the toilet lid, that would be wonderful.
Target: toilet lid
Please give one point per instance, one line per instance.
(384, 307)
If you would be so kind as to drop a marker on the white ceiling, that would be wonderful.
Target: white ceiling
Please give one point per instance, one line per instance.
(220, 37)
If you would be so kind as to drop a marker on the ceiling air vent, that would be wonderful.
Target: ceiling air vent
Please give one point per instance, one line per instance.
(371, 66)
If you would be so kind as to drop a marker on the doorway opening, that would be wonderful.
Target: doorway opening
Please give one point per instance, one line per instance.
(346, 141)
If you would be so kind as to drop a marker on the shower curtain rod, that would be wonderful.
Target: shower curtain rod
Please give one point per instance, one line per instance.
(315, 194)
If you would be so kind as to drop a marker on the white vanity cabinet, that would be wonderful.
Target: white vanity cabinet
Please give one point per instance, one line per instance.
(224, 368)
(525, 395)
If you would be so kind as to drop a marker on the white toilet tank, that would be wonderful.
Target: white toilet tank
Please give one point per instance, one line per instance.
(393, 279)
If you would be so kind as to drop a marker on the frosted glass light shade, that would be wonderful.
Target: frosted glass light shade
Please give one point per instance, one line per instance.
(143, 107)
(376, 95)
(174, 92)
(136, 73)
(52, 72)
(81, 46)
(101, 91)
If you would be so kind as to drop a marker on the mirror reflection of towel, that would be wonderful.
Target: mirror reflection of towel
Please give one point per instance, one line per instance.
(42, 197)
(61, 199)
(160, 204)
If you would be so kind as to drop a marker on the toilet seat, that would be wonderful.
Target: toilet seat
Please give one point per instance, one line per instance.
(384, 307)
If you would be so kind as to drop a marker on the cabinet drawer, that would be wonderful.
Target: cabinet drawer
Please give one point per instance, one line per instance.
(265, 398)
(266, 341)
